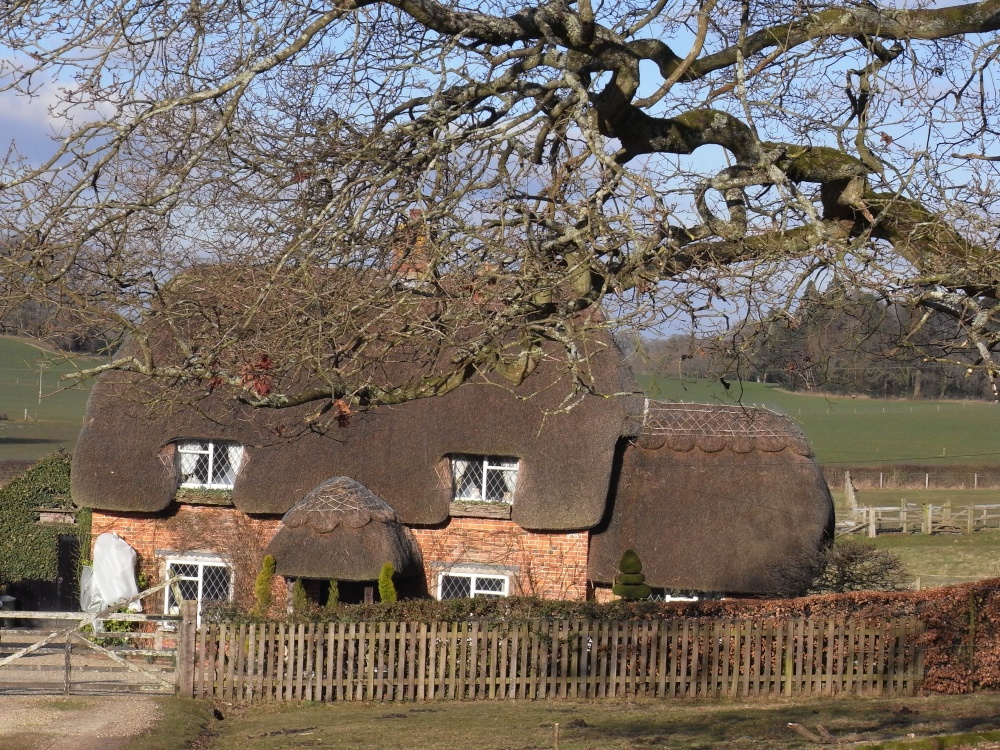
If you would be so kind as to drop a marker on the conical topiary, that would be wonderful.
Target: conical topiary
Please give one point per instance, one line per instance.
(630, 583)
(300, 600)
(262, 587)
(333, 596)
(386, 588)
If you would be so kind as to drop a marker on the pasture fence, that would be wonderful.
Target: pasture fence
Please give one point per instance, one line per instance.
(925, 518)
(913, 477)
(669, 658)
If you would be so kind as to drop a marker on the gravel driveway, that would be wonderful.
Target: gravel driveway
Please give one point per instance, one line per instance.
(43, 722)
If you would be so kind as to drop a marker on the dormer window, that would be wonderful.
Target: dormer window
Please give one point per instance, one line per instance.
(489, 479)
(208, 464)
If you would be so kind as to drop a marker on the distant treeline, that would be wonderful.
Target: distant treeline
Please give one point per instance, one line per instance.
(44, 321)
(836, 341)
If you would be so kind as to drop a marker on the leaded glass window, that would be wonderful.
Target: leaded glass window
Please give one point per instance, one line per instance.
(208, 464)
(490, 479)
(471, 585)
(201, 581)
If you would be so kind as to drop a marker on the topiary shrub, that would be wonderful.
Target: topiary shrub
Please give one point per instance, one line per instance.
(262, 587)
(386, 588)
(332, 597)
(300, 600)
(630, 583)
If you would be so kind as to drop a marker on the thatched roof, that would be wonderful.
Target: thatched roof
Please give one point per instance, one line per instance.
(343, 530)
(715, 498)
(124, 459)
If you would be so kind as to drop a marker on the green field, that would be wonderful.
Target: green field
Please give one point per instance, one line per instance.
(849, 430)
(37, 427)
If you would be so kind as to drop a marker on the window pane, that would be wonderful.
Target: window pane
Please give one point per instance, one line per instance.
(182, 569)
(215, 583)
(470, 482)
(194, 468)
(456, 587)
(489, 586)
(188, 589)
(499, 485)
(222, 470)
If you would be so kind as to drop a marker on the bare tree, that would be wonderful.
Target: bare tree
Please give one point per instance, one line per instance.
(369, 201)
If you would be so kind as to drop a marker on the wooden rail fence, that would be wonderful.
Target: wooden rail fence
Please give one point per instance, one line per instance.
(910, 518)
(407, 661)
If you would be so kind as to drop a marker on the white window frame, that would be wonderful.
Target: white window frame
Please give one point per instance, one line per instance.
(474, 590)
(488, 465)
(208, 448)
(171, 607)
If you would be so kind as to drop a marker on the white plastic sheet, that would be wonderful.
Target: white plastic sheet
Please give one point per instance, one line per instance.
(111, 580)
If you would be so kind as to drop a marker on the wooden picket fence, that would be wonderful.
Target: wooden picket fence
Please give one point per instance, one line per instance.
(417, 661)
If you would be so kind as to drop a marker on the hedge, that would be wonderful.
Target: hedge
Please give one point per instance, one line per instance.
(961, 643)
(29, 551)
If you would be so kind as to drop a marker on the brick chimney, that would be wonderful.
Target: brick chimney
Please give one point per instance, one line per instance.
(410, 249)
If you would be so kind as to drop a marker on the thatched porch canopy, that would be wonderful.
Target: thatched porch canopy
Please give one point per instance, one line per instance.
(716, 498)
(344, 531)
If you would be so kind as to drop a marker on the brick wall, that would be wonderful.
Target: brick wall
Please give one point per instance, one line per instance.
(196, 528)
(544, 564)
(549, 565)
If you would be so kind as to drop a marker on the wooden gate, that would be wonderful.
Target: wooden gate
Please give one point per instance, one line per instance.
(91, 653)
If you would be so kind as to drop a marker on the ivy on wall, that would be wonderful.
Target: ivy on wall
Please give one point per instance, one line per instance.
(28, 550)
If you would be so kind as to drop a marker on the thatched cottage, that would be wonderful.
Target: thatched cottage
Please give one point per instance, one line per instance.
(476, 493)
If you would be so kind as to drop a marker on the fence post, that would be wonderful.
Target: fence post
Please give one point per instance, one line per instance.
(925, 527)
(927, 481)
(975, 481)
(880, 480)
(852, 497)
(69, 655)
(872, 531)
(902, 515)
(186, 649)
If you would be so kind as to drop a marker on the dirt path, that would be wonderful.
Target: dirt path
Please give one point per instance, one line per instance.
(44, 722)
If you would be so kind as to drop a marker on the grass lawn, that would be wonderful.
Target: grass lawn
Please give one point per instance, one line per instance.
(859, 430)
(608, 725)
(54, 421)
(939, 559)
(942, 559)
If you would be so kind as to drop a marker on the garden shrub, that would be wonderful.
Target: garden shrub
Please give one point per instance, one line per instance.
(29, 551)
(630, 583)
(262, 587)
(386, 588)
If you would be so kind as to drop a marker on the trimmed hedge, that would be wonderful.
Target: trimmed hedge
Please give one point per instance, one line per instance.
(29, 551)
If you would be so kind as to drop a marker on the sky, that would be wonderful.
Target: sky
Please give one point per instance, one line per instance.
(27, 123)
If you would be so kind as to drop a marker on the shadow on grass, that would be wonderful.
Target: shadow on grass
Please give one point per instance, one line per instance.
(28, 441)
(721, 728)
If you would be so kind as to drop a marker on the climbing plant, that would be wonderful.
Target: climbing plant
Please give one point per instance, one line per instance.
(28, 550)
